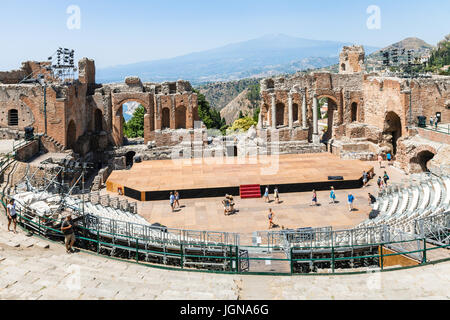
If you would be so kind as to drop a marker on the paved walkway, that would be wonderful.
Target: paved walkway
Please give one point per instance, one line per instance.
(37, 273)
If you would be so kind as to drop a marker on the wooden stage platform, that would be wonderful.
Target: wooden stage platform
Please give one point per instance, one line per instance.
(213, 177)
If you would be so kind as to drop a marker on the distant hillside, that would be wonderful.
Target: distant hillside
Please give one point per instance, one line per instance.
(439, 61)
(256, 58)
(220, 94)
(374, 61)
(420, 47)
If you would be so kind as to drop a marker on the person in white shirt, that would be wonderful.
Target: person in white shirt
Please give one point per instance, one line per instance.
(12, 214)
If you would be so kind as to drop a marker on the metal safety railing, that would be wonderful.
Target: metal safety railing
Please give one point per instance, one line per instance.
(225, 258)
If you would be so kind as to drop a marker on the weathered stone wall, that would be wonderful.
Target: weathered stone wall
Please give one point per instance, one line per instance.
(351, 60)
(27, 151)
(434, 136)
(78, 112)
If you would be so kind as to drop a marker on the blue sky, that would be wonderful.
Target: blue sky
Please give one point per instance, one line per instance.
(119, 32)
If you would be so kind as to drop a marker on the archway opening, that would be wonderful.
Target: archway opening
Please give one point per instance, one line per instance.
(71, 135)
(423, 158)
(13, 117)
(98, 121)
(354, 112)
(180, 117)
(129, 158)
(295, 112)
(280, 114)
(133, 113)
(327, 107)
(165, 121)
(393, 127)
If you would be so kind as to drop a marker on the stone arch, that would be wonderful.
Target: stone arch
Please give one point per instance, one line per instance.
(420, 159)
(71, 136)
(270, 84)
(423, 157)
(354, 112)
(332, 109)
(392, 129)
(98, 120)
(119, 99)
(180, 117)
(280, 110)
(165, 118)
(13, 117)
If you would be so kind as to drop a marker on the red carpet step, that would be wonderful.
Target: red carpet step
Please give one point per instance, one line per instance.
(248, 191)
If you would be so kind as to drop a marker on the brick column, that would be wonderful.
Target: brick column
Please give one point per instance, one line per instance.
(315, 137)
(291, 118)
(304, 122)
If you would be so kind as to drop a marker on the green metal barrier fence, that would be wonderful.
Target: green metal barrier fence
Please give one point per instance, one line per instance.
(231, 261)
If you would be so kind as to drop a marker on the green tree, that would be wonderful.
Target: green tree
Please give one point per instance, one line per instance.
(242, 125)
(210, 116)
(241, 115)
(134, 128)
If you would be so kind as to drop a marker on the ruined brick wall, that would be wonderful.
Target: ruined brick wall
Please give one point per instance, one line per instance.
(351, 60)
(173, 100)
(342, 90)
(29, 70)
(28, 100)
(430, 96)
(27, 151)
(382, 95)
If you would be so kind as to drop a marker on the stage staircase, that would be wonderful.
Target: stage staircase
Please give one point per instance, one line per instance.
(250, 191)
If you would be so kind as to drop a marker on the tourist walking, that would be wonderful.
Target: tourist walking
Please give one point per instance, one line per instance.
(385, 178)
(12, 215)
(172, 201)
(177, 199)
(69, 234)
(231, 202)
(266, 195)
(380, 183)
(380, 160)
(364, 178)
(332, 195)
(226, 206)
(271, 215)
(314, 198)
(431, 121)
(436, 121)
(351, 198)
(276, 195)
(389, 158)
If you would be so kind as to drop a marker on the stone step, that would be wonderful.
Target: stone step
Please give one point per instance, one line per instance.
(42, 245)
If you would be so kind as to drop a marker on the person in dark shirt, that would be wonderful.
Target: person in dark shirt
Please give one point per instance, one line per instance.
(372, 199)
(69, 234)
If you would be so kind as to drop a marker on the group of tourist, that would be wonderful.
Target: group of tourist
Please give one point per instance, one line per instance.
(434, 121)
(228, 205)
(383, 182)
(174, 200)
(276, 195)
